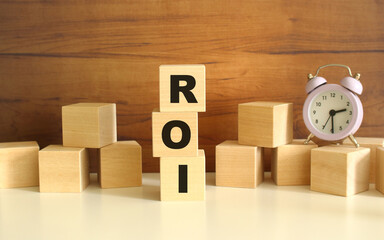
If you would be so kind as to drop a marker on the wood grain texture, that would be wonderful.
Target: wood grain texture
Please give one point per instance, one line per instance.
(265, 124)
(121, 165)
(373, 144)
(238, 165)
(94, 160)
(340, 170)
(89, 125)
(54, 53)
(291, 163)
(19, 164)
(63, 169)
(267, 155)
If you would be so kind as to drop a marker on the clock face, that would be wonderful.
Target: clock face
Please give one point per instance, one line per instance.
(331, 112)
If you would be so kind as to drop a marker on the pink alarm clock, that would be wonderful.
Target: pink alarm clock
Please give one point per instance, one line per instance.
(333, 112)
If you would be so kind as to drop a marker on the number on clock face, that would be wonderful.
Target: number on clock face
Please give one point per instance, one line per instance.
(331, 112)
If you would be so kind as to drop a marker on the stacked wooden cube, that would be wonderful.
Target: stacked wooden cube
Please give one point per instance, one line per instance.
(175, 132)
(266, 129)
(339, 170)
(65, 168)
(239, 163)
(269, 125)
(263, 128)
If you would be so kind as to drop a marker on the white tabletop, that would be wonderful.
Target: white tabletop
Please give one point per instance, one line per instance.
(267, 212)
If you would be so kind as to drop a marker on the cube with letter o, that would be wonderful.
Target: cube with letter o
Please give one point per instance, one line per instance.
(174, 134)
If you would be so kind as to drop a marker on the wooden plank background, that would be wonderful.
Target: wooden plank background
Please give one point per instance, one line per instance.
(54, 53)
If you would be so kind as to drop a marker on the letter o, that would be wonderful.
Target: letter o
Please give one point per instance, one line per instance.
(185, 136)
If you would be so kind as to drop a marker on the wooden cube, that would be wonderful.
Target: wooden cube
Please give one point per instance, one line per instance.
(182, 88)
(291, 163)
(19, 164)
(174, 134)
(265, 124)
(120, 165)
(371, 143)
(238, 165)
(267, 159)
(90, 125)
(182, 178)
(63, 169)
(380, 169)
(340, 170)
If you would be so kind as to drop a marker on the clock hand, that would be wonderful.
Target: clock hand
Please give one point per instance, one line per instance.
(342, 110)
(331, 114)
(327, 121)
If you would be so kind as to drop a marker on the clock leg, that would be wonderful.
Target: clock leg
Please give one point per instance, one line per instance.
(310, 136)
(353, 140)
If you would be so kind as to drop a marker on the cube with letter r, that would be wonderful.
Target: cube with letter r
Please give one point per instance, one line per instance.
(182, 88)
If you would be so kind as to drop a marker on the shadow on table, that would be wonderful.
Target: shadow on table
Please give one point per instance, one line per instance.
(372, 192)
(28, 189)
(147, 191)
(270, 185)
(304, 189)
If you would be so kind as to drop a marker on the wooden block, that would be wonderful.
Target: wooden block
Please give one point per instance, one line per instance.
(291, 163)
(267, 158)
(380, 169)
(182, 88)
(174, 134)
(120, 165)
(183, 178)
(265, 124)
(90, 125)
(19, 164)
(340, 170)
(371, 143)
(238, 165)
(63, 169)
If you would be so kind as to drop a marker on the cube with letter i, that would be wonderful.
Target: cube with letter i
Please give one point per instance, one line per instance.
(183, 178)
